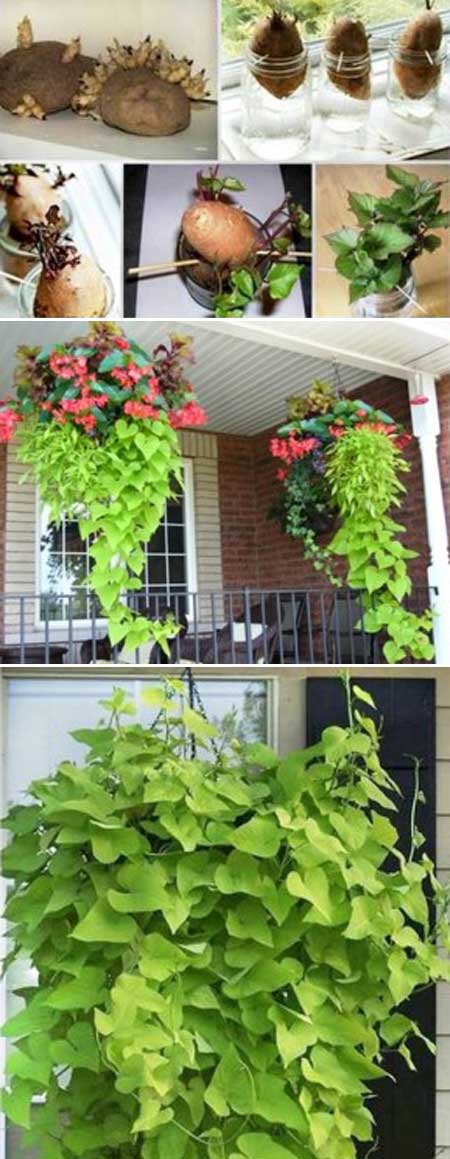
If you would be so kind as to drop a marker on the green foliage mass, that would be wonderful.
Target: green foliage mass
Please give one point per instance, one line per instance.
(393, 231)
(221, 955)
(117, 490)
(364, 473)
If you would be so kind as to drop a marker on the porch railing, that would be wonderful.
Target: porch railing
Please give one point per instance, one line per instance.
(239, 626)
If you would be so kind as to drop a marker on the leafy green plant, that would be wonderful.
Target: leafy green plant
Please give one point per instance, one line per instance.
(222, 957)
(364, 471)
(264, 274)
(393, 231)
(341, 462)
(97, 422)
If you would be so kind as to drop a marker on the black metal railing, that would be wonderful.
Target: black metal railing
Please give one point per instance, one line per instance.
(239, 626)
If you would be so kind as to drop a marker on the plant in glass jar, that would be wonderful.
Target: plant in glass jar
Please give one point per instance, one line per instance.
(341, 470)
(96, 421)
(27, 192)
(377, 257)
(233, 258)
(223, 942)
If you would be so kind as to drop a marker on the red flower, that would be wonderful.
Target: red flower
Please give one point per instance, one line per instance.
(122, 343)
(190, 415)
(419, 400)
(8, 422)
(140, 410)
(337, 432)
(282, 473)
(378, 428)
(403, 441)
(293, 448)
(362, 414)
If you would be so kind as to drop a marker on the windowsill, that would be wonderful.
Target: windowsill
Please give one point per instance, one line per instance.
(388, 136)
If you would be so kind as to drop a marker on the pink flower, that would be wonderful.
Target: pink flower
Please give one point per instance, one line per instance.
(293, 448)
(140, 410)
(419, 400)
(189, 415)
(8, 423)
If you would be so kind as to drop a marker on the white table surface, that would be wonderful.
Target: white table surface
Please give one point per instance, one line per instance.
(68, 135)
(168, 193)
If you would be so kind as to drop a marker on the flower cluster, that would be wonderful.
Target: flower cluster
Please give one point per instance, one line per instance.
(8, 422)
(100, 378)
(293, 448)
(302, 445)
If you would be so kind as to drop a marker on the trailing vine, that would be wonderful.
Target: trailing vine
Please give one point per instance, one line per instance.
(342, 463)
(222, 958)
(96, 420)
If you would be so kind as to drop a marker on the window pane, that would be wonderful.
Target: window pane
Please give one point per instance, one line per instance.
(238, 17)
(176, 539)
(177, 569)
(74, 542)
(157, 572)
(157, 542)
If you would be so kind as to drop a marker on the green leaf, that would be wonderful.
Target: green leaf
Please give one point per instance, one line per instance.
(363, 205)
(258, 1145)
(344, 241)
(314, 887)
(260, 837)
(403, 177)
(103, 924)
(248, 920)
(231, 1087)
(387, 238)
(78, 1050)
(81, 993)
(281, 279)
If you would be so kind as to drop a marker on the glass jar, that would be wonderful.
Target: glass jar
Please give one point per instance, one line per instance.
(276, 105)
(27, 294)
(414, 80)
(203, 281)
(344, 93)
(16, 259)
(397, 303)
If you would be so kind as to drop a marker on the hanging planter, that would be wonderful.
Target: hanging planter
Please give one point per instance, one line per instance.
(96, 421)
(221, 958)
(342, 460)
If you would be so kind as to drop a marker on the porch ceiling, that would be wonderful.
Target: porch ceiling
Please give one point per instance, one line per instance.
(245, 371)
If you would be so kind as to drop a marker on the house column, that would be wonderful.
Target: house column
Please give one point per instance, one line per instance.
(426, 428)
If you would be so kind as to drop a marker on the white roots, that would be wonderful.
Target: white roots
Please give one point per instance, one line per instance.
(29, 107)
(72, 50)
(25, 33)
(153, 55)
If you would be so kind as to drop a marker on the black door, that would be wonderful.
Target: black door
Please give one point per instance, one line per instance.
(405, 1111)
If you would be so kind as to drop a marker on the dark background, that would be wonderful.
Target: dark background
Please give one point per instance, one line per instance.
(404, 1110)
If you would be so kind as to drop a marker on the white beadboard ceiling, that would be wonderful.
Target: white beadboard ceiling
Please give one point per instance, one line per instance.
(244, 372)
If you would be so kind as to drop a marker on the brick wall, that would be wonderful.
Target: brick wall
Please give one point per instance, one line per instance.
(255, 550)
(238, 507)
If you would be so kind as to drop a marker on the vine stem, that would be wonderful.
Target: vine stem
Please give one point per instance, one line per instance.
(345, 677)
(415, 803)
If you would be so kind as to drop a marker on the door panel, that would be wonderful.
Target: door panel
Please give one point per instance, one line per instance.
(405, 1111)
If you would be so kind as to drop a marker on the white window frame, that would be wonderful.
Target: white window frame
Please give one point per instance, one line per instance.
(190, 553)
